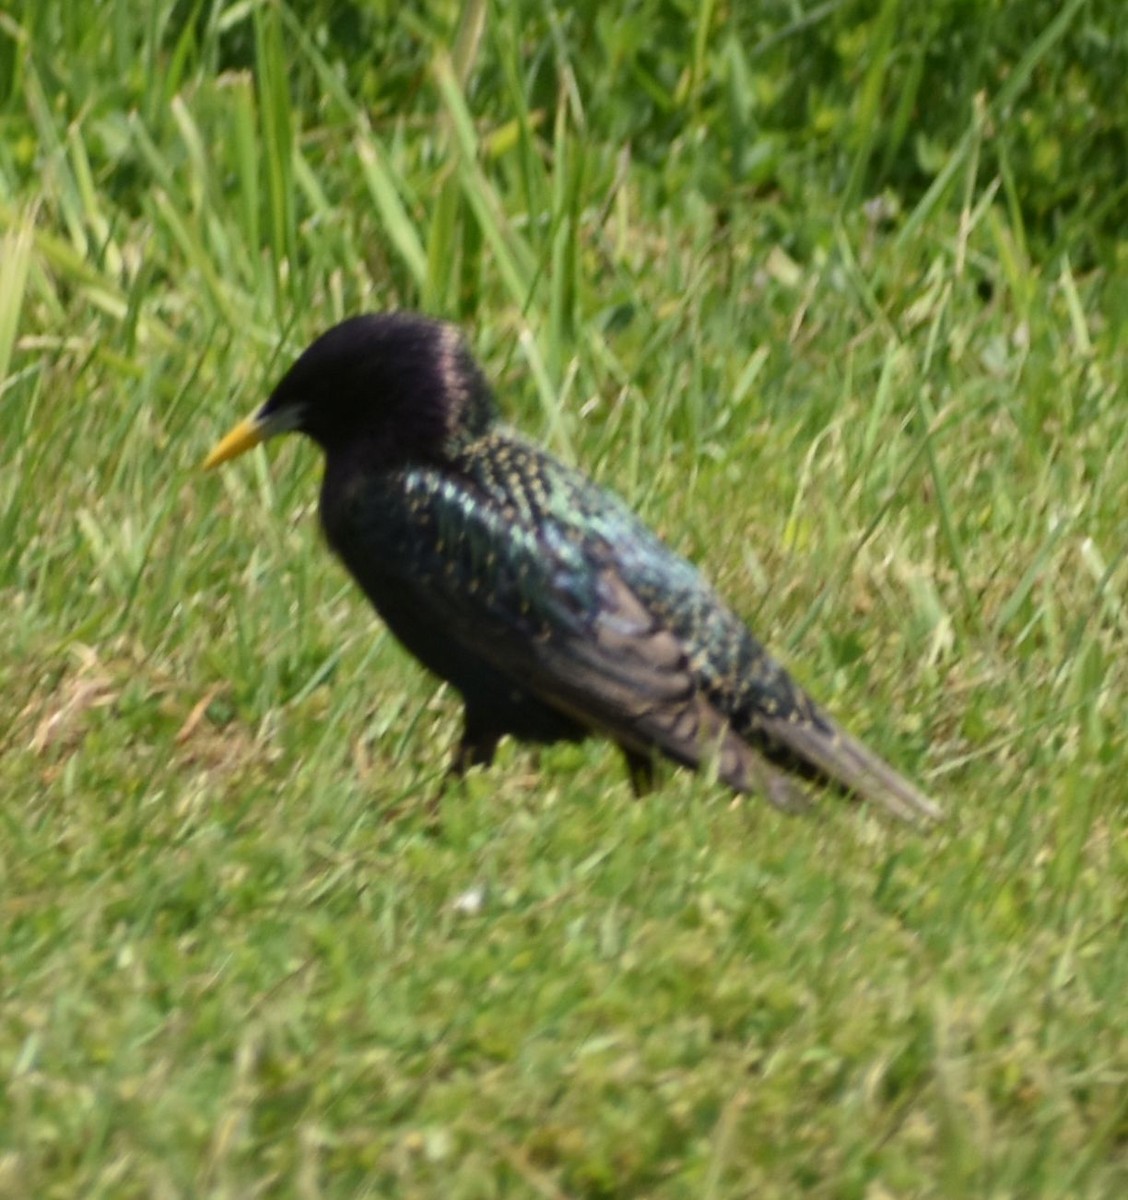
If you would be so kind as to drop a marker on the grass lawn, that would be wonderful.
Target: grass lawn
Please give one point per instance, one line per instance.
(871, 377)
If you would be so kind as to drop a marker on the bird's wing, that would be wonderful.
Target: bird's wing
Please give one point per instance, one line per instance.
(628, 674)
(537, 605)
(745, 686)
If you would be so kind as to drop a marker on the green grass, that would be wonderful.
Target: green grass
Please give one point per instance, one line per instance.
(236, 956)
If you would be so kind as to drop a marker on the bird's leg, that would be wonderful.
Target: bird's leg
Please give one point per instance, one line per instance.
(477, 747)
(640, 770)
(473, 752)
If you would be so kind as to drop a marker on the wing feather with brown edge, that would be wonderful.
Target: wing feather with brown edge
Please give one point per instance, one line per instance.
(630, 677)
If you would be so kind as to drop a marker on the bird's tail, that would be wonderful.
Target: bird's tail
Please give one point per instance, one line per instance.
(825, 748)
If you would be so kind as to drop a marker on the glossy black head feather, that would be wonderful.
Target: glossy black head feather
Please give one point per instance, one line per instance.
(397, 387)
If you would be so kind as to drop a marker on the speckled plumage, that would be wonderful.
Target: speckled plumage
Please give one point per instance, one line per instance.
(538, 595)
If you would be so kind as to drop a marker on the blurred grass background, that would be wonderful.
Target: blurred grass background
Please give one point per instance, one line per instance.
(836, 295)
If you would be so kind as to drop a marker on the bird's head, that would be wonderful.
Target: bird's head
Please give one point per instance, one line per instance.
(396, 387)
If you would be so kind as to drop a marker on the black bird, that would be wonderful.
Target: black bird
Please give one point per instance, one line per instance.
(537, 595)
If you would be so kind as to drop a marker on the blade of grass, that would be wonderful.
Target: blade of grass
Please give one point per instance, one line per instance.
(515, 263)
(15, 264)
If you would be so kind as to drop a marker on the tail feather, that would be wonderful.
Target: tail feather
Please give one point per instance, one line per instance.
(831, 752)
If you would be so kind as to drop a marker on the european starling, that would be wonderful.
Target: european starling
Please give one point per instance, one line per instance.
(540, 597)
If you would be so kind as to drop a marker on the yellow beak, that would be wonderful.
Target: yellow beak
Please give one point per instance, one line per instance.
(242, 438)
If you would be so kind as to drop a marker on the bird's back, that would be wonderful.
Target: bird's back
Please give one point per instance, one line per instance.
(729, 663)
